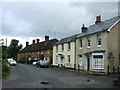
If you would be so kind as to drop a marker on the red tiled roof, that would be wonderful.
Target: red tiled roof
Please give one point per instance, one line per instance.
(41, 46)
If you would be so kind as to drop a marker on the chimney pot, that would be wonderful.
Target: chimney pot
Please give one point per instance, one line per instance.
(84, 28)
(38, 40)
(27, 43)
(33, 41)
(46, 39)
(98, 19)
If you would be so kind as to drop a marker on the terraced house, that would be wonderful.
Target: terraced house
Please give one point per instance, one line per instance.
(98, 46)
(95, 49)
(38, 50)
(64, 52)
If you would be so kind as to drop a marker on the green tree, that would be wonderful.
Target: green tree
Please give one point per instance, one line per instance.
(14, 48)
(3, 51)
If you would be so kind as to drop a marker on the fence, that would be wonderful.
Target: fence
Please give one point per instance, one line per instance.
(106, 68)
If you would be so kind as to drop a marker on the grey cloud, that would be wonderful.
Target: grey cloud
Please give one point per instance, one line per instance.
(55, 19)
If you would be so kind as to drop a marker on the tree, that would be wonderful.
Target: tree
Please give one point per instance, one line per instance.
(14, 48)
(3, 51)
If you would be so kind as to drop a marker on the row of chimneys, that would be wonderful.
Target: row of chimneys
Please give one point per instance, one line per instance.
(98, 19)
(38, 40)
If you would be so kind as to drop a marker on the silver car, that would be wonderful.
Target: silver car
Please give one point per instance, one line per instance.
(42, 63)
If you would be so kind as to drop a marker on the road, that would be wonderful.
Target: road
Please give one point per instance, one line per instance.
(28, 76)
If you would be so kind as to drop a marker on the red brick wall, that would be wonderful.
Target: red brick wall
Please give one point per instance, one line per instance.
(47, 54)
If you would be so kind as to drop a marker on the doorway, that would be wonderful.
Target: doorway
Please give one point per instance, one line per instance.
(88, 62)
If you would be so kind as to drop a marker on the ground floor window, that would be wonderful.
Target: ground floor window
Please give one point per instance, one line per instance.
(97, 61)
(80, 60)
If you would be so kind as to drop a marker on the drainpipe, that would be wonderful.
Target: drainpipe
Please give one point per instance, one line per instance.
(75, 54)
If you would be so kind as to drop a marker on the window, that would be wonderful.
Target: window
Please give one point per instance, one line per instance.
(80, 60)
(88, 41)
(56, 62)
(68, 58)
(56, 48)
(99, 40)
(98, 62)
(62, 47)
(69, 46)
(80, 42)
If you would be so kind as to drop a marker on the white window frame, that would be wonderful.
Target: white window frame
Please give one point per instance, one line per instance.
(57, 48)
(62, 47)
(69, 45)
(98, 66)
(80, 43)
(99, 40)
(88, 42)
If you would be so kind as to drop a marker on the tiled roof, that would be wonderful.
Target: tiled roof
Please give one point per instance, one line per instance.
(101, 26)
(39, 46)
(66, 40)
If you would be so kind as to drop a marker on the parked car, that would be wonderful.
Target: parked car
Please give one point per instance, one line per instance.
(34, 63)
(42, 63)
(11, 61)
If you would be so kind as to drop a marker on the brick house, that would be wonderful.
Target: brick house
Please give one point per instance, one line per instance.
(38, 50)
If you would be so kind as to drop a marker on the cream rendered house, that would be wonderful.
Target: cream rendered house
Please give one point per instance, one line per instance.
(64, 52)
(98, 46)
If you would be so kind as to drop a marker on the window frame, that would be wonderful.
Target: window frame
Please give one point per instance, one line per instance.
(62, 47)
(80, 60)
(97, 61)
(69, 59)
(69, 46)
(80, 40)
(88, 42)
(99, 40)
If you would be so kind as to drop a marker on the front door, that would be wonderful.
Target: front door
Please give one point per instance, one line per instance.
(88, 62)
(62, 61)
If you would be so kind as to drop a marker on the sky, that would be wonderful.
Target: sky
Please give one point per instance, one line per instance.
(27, 20)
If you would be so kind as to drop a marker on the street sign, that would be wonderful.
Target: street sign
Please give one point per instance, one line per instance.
(110, 54)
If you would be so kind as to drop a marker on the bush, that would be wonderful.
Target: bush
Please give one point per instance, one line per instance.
(5, 69)
(23, 60)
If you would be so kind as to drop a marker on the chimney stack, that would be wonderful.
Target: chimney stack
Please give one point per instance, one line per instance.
(33, 41)
(27, 43)
(46, 39)
(38, 40)
(84, 28)
(98, 19)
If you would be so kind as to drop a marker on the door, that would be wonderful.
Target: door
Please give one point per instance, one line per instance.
(88, 62)
(62, 61)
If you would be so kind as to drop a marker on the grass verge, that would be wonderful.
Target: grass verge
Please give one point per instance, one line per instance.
(5, 69)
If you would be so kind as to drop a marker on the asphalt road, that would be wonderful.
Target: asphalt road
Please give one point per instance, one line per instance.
(28, 76)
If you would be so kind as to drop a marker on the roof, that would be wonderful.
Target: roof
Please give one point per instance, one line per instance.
(41, 46)
(99, 27)
(67, 39)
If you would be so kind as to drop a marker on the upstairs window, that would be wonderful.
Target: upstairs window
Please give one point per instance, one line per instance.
(56, 48)
(68, 58)
(62, 47)
(99, 40)
(88, 41)
(69, 46)
(80, 42)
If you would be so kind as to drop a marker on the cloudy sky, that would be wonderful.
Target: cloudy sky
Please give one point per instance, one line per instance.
(29, 20)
